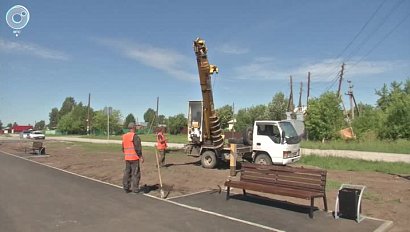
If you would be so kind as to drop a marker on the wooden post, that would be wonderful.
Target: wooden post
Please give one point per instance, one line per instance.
(232, 160)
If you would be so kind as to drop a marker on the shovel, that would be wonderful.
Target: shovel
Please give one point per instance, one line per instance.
(159, 175)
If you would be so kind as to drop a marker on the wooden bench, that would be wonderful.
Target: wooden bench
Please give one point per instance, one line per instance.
(37, 148)
(305, 183)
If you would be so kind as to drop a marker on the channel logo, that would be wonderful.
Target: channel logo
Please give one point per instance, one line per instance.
(17, 18)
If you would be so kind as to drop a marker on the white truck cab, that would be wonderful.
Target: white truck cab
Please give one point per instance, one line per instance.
(275, 142)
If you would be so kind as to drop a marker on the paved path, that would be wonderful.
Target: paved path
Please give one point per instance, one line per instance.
(365, 155)
(75, 139)
(38, 198)
(35, 197)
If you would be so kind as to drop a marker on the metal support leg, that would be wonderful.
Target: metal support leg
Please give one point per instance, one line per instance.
(244, 192)
(325, 202)
(227, 192)
(312, 202)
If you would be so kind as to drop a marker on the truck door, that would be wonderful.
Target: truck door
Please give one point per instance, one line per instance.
(267, 138)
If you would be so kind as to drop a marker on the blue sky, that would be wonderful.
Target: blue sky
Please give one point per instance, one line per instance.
(126, 53)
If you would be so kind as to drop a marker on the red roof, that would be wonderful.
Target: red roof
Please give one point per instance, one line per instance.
(21, 128)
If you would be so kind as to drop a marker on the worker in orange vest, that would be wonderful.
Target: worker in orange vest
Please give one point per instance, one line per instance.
(132, 149)
(161, 146)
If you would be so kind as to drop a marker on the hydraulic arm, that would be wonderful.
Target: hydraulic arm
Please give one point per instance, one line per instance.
(212, 133)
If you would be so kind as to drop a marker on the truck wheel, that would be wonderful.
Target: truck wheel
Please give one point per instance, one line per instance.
(208, 159)
(248, 136)
(263, 159)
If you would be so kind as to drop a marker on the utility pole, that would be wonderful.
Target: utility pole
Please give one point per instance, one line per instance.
(350, 93)
(88, 114)
(108, 110)
(290, 102)
(340, 80)
(300, 97)
(308, 91)
(157, 111)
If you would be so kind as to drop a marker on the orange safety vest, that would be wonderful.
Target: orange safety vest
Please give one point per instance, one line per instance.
(161, 142)
(128, 147)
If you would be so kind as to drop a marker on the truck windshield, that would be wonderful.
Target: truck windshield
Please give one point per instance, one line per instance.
(290, 133)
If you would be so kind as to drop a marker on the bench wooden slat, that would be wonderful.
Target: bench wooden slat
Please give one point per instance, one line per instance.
(269, 189)
(299, 182)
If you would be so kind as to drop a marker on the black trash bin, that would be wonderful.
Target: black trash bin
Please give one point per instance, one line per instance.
(348, 203)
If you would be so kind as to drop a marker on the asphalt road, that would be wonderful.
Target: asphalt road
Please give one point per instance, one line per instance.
(38, 198)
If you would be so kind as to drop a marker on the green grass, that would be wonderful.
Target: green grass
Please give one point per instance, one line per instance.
(332, 184)
(144, 137)
(346, 164)
(400, 146)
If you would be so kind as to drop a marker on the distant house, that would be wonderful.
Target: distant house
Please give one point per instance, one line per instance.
(18, 129)
(141, 125)
(231, 124)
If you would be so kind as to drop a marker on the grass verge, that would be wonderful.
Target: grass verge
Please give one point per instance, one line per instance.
(401, 146)
(144, 137)
(346, 164)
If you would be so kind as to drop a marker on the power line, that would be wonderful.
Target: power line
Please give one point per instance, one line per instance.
(362, 29)
(382, 40)
(354, 38)
(384, 20)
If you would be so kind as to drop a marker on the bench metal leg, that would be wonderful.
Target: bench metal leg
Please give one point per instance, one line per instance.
(325, 202)
(227, 192)
(244, 192)
(312, 203)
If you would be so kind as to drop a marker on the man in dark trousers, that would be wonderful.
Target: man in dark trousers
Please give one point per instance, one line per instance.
(131, 147)
(161, 146)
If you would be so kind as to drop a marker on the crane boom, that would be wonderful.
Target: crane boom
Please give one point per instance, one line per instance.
(212, 132)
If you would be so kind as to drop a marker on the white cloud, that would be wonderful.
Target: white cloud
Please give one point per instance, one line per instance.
(31, 49)
(325, 70)
(230, 48)
(166, 60)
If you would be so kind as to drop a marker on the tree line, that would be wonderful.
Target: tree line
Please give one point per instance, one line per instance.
(324, 118)
(72, 118)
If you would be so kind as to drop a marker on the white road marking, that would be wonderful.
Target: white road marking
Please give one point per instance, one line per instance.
(154, 197)
(190, 194)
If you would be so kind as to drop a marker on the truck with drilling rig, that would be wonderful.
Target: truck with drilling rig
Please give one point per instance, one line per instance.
(266, 142)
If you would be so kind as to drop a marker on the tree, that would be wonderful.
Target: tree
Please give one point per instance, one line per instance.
(367, 122)
(395, 105)
(1, 125)
(177, 123)
(247, 116)
(53, 117)
(66, 107)
(100, 122)
(225, 114)
(128, 119)
(40, 125)
(324, 117)
(149, 117)
(277, 107)
(161, 119)
(74, 122)
(9, 125)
